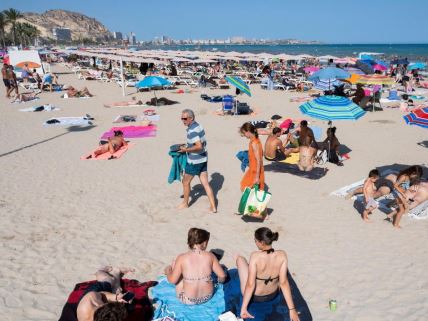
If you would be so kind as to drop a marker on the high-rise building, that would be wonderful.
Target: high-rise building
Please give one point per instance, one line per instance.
(132, 38)
(117, 35)
(61, 34)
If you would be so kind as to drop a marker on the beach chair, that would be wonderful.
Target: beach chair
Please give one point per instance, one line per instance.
(228, 105)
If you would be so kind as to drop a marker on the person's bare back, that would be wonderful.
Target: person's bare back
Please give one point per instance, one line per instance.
(272, 144)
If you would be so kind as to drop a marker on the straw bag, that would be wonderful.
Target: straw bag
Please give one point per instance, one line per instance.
(254, 202)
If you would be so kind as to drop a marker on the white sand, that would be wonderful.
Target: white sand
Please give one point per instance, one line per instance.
(62, 218)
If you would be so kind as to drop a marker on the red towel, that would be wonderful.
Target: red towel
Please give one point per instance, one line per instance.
(141, 306)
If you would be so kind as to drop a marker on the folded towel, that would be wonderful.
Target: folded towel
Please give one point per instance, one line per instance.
(107, 155)
(243, 157)
(169, 306)
(179, 161)
(141, 309)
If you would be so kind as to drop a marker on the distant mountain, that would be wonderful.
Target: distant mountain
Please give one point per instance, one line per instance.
(81, 26)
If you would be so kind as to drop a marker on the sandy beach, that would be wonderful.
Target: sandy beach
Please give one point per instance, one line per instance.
(62, 217)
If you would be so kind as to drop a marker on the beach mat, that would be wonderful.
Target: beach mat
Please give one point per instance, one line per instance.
(107, 155)
(168, 305)
(274, 310)
(69, 121)
(140, 310)
(132, 131)
(47, 107)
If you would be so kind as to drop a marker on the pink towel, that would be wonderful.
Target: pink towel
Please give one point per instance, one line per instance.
(132, 131)
(107, 155)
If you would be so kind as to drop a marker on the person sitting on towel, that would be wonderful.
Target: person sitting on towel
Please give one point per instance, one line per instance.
(113, 144)
(191, 272)
(104, 298)
(275, 149)
(265, 274)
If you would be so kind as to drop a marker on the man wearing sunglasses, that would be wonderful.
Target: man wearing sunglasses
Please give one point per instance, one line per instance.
(197, 159)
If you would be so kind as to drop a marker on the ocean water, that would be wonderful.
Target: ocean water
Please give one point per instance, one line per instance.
(411, 51)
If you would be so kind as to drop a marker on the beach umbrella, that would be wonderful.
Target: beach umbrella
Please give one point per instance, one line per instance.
(364, 66)
(239, 83)
(30, 64)
(311, 69)
(326, 84)
(418, 117)
(330, 73)
(375, 80)
(332, 108)
(153, 82)
(416, 65)
(354, 71)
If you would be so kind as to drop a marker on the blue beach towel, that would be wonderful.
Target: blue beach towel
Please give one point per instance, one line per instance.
(243, 157)
(275, 310)
(168, 305)
(179, 161)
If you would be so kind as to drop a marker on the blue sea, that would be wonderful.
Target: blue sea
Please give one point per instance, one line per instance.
(411, 51)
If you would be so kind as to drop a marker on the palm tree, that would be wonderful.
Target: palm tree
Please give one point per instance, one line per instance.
(20, 33)
(3, 24)
(12, 16)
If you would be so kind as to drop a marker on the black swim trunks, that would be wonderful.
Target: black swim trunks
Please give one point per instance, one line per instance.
(7, 83)
(382, 181)
(279, 156)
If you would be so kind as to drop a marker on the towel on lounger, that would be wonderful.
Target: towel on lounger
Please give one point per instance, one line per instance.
(168, 304)
(273, 310)
(140, 310)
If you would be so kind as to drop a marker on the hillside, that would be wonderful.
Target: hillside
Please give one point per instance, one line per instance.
(81, 26)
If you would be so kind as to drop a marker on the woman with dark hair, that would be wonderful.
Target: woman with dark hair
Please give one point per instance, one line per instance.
(191, 271)
(331, 144)
(265, 274)
(255, 173)
(112, 145)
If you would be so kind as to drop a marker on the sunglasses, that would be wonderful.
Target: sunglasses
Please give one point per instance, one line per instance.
(184, 118)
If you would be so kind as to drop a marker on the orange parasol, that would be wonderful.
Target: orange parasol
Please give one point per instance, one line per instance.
(30, 64)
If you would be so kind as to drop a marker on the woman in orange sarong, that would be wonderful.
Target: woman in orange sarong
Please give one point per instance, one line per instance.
(255, 174)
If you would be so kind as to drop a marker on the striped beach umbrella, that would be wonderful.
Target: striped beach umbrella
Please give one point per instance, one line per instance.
(332, 108)
(418, 117)
(375, 79)
(239, 83)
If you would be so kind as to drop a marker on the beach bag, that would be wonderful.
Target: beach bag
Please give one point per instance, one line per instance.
(321, 157)
(254, 202)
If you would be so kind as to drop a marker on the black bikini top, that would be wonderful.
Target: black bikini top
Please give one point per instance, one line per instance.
(269, 279)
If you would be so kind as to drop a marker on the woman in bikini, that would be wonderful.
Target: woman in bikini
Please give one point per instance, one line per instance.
(265, 274)
(191, 272)
(113, 145)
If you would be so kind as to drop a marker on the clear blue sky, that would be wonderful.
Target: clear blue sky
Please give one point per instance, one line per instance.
(331, 21)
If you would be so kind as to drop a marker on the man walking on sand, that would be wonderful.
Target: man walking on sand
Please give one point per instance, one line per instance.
(197, 159)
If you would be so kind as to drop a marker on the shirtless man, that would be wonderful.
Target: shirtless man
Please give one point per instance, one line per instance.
(113, 145)
(104, 297)
(5, 75)
(275, 149)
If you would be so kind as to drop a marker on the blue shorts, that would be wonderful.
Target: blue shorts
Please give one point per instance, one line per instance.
(196, 169)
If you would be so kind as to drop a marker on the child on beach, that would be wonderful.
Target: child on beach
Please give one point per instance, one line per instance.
(369, 190)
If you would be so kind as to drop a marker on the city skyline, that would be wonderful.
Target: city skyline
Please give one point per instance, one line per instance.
(376, 22)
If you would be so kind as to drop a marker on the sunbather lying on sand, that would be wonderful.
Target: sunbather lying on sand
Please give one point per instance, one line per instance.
(20, 98)
(113, 145)
(104, 297)
(161, 102)
(132, 102)
(73, 92)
